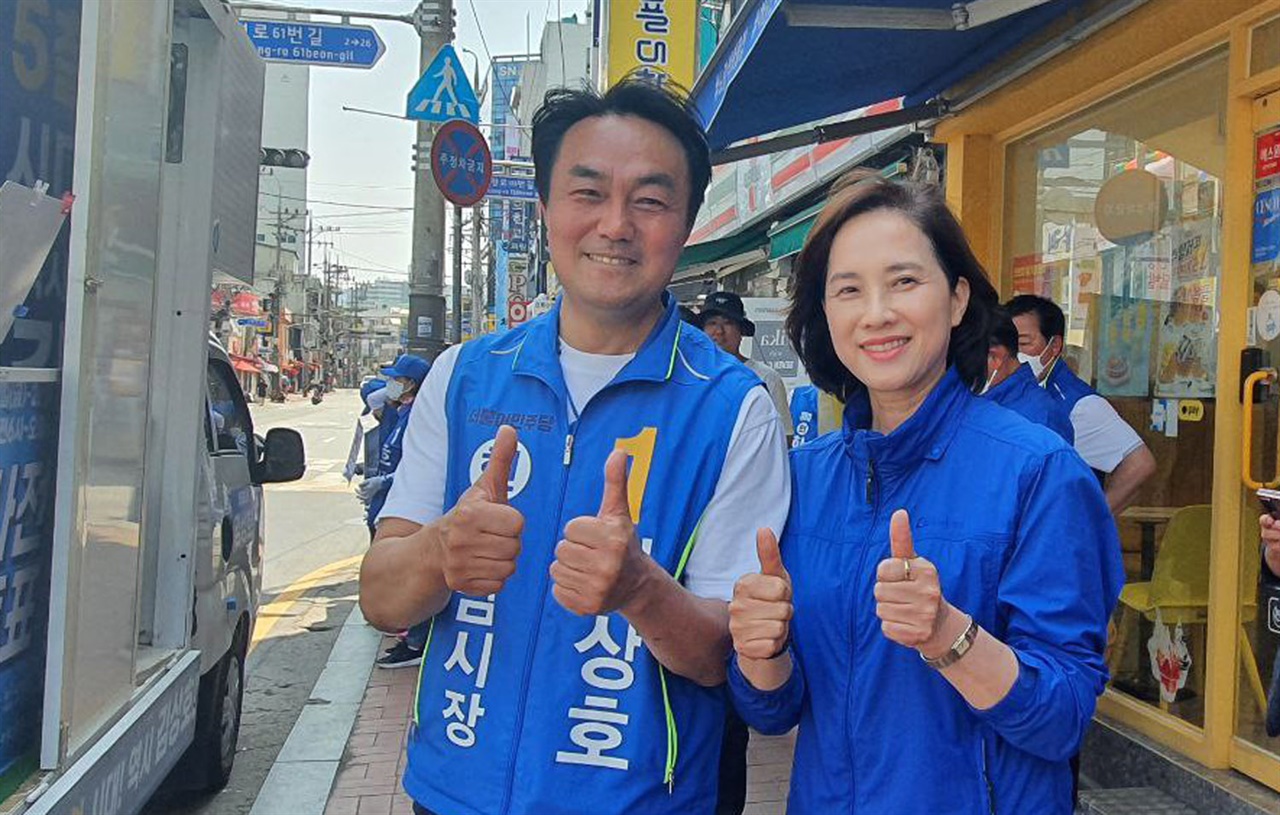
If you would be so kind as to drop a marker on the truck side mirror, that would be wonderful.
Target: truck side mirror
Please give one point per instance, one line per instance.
(283, 457)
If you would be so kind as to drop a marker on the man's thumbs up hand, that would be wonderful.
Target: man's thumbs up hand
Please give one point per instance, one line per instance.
(480, 536)
(908, 593)
(599, 565)
(760, 612)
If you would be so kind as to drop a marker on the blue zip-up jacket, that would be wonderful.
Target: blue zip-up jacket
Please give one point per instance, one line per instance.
(523, 707)
(1022, 540)
(1022, 394)
(388, 457)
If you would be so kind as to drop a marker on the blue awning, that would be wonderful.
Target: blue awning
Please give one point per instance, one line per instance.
(786, 62)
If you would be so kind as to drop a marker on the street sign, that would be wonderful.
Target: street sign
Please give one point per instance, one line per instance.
(460, 162)
(342, 44)
(443, 92)
(256, 322)
(513, 187)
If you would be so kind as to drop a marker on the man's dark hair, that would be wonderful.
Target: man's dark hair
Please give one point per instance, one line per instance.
(1052, 321)
(1003, 331)
(857, 194)
(665, 105)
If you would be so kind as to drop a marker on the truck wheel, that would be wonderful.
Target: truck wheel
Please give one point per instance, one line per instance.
(213, 751)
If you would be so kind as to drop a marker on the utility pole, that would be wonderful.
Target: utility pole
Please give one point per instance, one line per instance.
(433, 20)
(477, 273)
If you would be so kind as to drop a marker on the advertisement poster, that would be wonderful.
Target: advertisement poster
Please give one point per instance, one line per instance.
(1124, 346)
(1152, 269)
(1194, 264)
(1187, 355)
(1266, 226)
(770, 344)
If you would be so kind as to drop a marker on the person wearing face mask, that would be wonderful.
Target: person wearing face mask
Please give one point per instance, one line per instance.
(1011, 384)
(1105, 441)
(403, 380)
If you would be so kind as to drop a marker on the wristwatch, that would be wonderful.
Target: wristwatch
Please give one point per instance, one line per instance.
(958, 648)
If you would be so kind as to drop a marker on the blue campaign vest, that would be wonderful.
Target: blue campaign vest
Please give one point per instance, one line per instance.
(1024, 396)
(524, 707)
(389, 456)
(1065, 385)
(804, 414)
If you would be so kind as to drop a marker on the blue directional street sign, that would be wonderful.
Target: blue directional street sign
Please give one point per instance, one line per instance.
(305, 43)
(443, 92)
(513, 187)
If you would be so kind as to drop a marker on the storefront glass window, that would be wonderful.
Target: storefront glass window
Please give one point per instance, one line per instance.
(1116, 216)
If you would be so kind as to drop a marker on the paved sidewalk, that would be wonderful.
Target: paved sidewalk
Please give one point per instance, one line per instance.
(368, 779)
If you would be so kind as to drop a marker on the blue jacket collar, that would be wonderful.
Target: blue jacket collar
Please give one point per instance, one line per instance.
(1013, 388)
(538, 354)
(925, 435)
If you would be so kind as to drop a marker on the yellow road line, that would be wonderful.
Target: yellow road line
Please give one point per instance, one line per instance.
(270, 614)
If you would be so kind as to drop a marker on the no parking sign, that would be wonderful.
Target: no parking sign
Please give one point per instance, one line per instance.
(461, 163)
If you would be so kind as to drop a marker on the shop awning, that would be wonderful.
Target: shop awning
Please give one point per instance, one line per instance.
(783, 63)
(245, 365)
(787, 238)
(701, 254)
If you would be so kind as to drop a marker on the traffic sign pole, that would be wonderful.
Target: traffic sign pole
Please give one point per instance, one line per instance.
(426, 272)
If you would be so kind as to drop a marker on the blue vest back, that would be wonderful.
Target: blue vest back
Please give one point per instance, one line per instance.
(1024, 396)
(524, 707)
(1065, 385)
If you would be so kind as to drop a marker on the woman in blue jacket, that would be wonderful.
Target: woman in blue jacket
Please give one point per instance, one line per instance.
(950, 566)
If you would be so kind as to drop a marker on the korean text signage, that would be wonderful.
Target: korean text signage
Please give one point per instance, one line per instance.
(306, 43)
(460, 163)
(1268, 156)
(657, 38)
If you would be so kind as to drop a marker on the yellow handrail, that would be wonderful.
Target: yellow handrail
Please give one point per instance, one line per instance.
(1246, 447)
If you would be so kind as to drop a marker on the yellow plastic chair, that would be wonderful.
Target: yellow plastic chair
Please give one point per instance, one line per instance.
(1179, 587)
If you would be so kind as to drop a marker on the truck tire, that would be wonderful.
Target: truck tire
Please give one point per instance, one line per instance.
(213, 750)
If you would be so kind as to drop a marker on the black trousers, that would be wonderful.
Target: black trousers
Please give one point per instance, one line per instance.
(733, 765)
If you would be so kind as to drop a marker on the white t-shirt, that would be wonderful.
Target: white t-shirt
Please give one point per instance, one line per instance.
(1103, 439)
(777, 392)
(754, 489)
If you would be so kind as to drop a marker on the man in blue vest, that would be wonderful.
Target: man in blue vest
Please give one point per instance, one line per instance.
(1103, 439)
(1011, 384)
(577, 497)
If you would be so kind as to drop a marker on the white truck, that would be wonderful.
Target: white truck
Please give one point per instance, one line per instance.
(131, 525)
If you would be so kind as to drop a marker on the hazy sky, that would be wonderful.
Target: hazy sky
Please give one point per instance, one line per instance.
(362, 159)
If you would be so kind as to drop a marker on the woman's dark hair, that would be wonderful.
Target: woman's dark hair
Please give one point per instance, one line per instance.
(665, 105)
(857, 194)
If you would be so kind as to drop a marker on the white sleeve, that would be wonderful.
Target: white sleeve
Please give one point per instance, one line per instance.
(417, 492)
(1103, 439)
(778, 392)
(754, 491)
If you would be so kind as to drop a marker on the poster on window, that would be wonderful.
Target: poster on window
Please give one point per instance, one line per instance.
(1187, 356)
(1194, 264)
(770, 345)
(1124, 346)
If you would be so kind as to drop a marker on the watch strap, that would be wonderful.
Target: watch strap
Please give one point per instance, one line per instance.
(957, 650)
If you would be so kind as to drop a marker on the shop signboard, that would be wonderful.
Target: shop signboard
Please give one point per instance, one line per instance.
(1266, 226)
(1268, 156)
(655, 38)
(770, 345)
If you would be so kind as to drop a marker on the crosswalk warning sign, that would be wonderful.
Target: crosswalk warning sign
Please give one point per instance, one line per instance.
(443, 92)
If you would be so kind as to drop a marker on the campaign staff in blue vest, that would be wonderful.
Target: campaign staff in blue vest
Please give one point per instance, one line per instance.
(1104, 440)
(576, 500)
(1011, 384)
(937, 631)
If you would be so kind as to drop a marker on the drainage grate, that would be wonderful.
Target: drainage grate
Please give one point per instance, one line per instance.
(1131, 801)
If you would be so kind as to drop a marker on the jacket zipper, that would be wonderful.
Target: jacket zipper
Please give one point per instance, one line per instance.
(542, 601)
(986, 778)
(872, 504)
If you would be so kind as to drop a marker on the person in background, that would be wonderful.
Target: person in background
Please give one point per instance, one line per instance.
(724, 319)
(1011, 384)
(804, 414)
(1104, 440)
(936, 615)
(366, 444)
(404, 380)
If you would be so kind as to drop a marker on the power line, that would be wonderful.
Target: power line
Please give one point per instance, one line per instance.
(485, 43)
(333, 203)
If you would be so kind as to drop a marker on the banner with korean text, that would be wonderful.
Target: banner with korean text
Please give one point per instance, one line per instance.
(656, 37)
